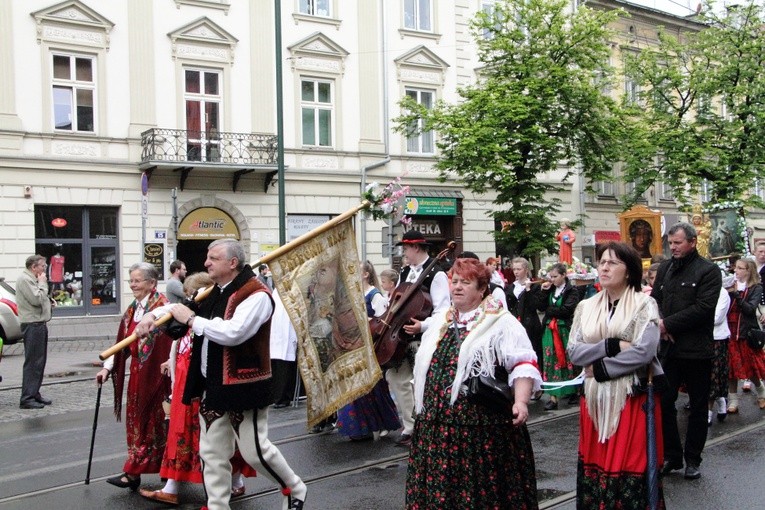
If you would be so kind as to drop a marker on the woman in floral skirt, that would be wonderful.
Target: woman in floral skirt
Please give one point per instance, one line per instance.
(373, 413)
(464, 454)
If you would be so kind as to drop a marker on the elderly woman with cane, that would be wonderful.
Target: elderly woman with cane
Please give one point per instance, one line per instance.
(144, 416)
(615, 335)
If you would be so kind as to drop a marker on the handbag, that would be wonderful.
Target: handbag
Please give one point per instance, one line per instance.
(492, 392)
(755, 337)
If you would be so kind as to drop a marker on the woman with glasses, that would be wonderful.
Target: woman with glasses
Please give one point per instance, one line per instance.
(147, 389)
(614, 336)
(558, 300)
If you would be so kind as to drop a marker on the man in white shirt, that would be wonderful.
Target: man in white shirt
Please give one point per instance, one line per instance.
(436, 284)
(231, 371)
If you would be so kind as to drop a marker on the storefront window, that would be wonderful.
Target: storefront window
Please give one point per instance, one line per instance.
(80, 244)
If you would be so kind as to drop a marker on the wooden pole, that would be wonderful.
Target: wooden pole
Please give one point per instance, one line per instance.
(271, 256)
(114, 349)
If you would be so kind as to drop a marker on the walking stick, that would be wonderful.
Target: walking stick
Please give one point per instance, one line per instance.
(93, 436)
(652, 468)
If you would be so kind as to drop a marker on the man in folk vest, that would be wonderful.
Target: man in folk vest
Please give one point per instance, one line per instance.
(436, 284)
(231, 371)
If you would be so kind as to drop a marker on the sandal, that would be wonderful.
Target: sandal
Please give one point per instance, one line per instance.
(125, 481)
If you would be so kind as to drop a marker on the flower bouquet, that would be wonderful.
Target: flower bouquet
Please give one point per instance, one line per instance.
(577, 270)
(387, 202)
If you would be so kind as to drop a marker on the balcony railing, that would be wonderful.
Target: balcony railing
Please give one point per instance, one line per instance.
(182, 146)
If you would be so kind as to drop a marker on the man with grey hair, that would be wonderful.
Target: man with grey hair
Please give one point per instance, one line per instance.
(686, 289)
(34, 312)
(230, 371)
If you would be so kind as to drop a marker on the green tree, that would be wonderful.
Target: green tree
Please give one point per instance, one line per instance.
(703, 110)
(538, 111)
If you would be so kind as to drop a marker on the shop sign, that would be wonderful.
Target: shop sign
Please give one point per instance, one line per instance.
(154, 254)
(207, 223)
(605, 236)
(427, 228)
(427, 206)
(299, 224)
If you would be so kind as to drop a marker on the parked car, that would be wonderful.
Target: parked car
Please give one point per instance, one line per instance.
(10, 328)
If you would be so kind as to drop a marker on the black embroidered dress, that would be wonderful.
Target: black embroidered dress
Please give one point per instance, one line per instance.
(466, 456)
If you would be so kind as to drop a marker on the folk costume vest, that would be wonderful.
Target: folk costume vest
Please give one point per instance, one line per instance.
(428, 279)
(239, 377)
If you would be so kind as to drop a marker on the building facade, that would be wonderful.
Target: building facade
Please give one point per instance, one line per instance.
(145, 129)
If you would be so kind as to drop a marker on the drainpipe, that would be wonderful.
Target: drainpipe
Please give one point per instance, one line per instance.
(364, 171)
(386, 127)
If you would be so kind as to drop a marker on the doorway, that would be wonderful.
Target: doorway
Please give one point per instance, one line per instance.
(193, 253)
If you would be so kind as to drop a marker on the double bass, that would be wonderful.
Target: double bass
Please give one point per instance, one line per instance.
(407, 302)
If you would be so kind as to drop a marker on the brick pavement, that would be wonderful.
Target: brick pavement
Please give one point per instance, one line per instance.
(69, 379)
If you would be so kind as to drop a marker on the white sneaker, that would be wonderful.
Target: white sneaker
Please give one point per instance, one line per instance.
(721, 407)
(747, 386)
(709, 418)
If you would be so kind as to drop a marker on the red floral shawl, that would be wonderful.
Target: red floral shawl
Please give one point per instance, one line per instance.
(143, 349)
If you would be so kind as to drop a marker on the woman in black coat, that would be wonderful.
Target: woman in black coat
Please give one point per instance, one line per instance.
(557, 299)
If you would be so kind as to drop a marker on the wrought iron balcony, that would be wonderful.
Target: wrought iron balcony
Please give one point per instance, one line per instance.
(214, 148)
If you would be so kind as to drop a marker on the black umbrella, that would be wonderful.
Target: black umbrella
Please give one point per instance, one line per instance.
(93, 437)
(652, 469)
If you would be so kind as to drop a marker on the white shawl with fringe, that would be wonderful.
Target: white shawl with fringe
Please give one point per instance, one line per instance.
(494, 336)
(634, 312)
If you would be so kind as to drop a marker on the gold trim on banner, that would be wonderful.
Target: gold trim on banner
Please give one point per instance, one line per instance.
(319, 282)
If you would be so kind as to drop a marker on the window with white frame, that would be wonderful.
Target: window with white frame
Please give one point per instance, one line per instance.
(605, 188)
(316, 8)
(706, 191)
(631, 90)
(759, 188)
(317, 107)
(74, 90)
(418, 15)
(421, 143)
(665, 191)
(488, 7)
(203, 100)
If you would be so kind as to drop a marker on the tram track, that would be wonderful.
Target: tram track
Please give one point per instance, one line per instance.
(558, 501)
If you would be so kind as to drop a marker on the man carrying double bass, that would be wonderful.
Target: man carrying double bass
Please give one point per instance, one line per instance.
(436, 284)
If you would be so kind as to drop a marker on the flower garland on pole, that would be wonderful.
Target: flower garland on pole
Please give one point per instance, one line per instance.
(387, 202)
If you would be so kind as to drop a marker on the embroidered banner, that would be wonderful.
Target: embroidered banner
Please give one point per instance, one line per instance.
(319, 283)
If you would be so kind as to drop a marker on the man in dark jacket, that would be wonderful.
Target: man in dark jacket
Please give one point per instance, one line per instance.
(686, 288)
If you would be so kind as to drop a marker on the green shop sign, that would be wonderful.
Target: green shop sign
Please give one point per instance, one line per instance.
(430, 206)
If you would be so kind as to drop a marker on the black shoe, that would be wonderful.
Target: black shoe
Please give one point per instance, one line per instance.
(404, 440)
(692, 472)
(671, 465)
(44, 401)
(316, 429)
(280, 405)
(124, 481)
(573, 400)
(31, 405)
(296, 504)
(551, 405)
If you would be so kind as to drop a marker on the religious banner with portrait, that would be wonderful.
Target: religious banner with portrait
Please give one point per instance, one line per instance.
(320, 284)
(641, 228)
(726, 235)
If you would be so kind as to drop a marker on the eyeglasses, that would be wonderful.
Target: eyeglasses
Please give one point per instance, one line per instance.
(609, 263)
